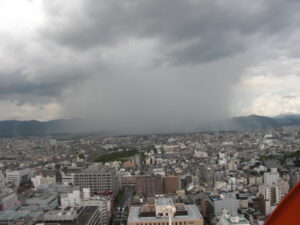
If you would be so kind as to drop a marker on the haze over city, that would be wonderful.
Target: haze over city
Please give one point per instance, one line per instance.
(148, 65)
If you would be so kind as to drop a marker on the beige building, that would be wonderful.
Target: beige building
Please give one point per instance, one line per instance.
(157, 214)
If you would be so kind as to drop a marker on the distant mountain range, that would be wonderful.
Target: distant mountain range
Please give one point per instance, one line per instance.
(14, 128)
(255, 122)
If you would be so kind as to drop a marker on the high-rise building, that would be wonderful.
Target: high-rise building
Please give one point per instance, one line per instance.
(171, 184)
(265, 191)
(99, 178)
(271, 178)
(276, 195)
(283, 187)
(137, 160)
(208, 176)
(271, 193)
(264, 205)
(149, 185)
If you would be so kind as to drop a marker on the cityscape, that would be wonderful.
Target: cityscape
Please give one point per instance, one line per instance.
(149, 112)
(232, 177)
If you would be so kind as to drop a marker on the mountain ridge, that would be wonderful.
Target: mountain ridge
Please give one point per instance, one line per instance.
(15, 128)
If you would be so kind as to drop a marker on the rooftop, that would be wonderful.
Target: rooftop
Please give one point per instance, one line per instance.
(163, 201)
(193, 214)
(98, 168)
(82, 218)
(12, 215)
(241, 221)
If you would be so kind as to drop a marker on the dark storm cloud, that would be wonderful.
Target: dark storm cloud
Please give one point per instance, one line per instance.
(18, 83)
(37, 68)
(188, 31)
(50, 83)
(143, 65)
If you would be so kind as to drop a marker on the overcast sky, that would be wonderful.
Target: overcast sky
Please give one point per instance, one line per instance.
(156, 65)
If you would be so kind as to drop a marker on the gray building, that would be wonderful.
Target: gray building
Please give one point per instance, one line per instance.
(18, 176)
(43, 201)
(99, 178)
(89, 215)
(217, 203)
(157, 215)
(208, 176)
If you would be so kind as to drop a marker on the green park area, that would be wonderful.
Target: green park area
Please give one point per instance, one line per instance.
(116, 156)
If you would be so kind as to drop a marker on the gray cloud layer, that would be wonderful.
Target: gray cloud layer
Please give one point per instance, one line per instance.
(187, 31)
(141, 65)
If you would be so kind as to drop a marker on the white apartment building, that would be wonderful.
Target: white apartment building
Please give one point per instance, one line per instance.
(271, 178)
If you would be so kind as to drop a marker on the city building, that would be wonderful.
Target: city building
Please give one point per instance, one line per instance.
(271, 193)
(216, 204)
(149, 185)
(227, 219)
(90, 215)
(158, 214)
(98, 178)
(43, 201)
(271, 178)
(70, 199)
(18, 176)
(9, 217)
(171, 184)
(40, 180)
(9, 201)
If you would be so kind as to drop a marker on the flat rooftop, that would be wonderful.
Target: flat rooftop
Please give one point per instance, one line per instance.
(82, 219)
(193, 214)
(163, 201)
(12, 215)
(98, 168)
(242, 221)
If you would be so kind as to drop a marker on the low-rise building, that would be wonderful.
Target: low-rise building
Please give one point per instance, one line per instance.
(158, 214)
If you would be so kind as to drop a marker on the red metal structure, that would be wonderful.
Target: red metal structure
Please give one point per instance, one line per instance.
(288, 210)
